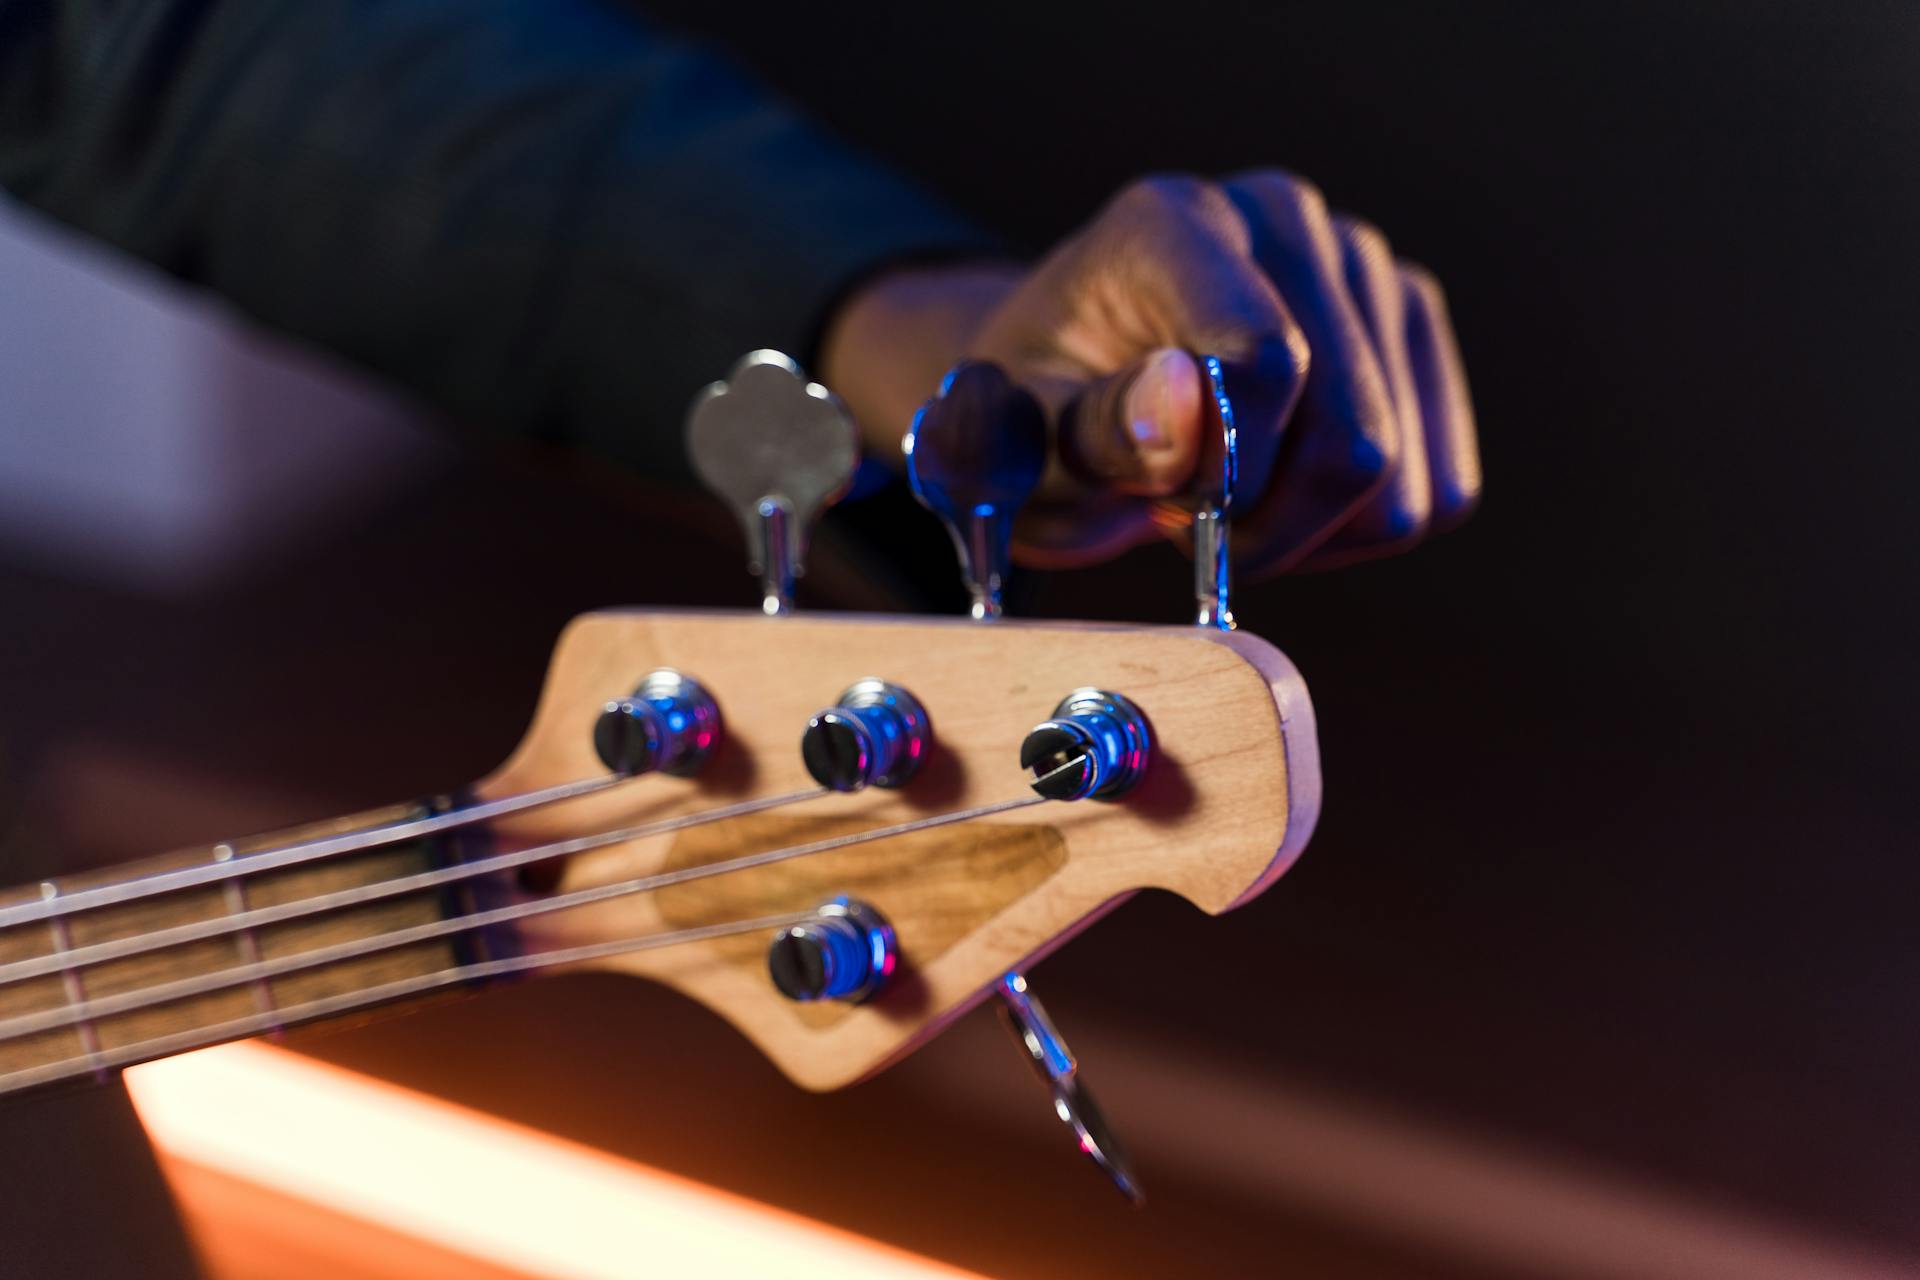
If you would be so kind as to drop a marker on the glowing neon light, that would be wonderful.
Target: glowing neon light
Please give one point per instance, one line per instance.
(475, 1184)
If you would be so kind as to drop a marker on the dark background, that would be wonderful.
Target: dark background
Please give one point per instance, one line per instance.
(1618, 855)
(1620, 840)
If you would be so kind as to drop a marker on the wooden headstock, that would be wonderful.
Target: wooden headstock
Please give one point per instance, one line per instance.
(1228, 800)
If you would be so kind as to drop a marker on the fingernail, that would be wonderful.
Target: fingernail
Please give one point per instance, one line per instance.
(1149, 401)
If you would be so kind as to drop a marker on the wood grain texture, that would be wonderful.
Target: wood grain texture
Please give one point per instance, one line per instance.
(1227, 804)
(215, 955)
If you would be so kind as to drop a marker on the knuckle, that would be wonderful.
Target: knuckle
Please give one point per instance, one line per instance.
(1419, 279)
(1405, 514)
(1455, 502)
(1162, 191)
(1176, 197)
(1278, 187)
(1174, 204)
(1422, 283)
(1298, 351)
(1368, 465)
(1367, 242)
(1372, 453)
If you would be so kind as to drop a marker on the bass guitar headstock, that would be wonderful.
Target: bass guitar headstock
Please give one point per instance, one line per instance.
(1212, 790)
(842, 832)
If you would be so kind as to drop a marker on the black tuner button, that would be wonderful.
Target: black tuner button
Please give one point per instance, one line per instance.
(845, 952)
(669, 725)
(875, 736)
(1097, 745)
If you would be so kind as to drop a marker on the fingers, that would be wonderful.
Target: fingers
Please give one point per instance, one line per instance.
(1357, 454)
(1345, 441)
(1185, 251)
(1446, 408)
(1104, 333)
(1399, 511)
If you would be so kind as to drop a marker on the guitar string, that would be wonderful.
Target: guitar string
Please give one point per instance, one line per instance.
(272, 859)
(253, 1024)
(243, 921)
(87, 1011)
(127, 1002)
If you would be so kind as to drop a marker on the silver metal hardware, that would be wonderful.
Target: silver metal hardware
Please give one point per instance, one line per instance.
(975, 453)
(1213, 511)
(778, 449)
(875, 736)
(1105, 730)
(846, 952)
(669, 724)
(1057, 1068)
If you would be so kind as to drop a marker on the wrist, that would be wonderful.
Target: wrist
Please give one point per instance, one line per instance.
(889, 344)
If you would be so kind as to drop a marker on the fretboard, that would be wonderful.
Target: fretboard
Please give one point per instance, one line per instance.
(87, 1045)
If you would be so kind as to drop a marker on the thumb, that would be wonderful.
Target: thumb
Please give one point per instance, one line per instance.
(1137, 430)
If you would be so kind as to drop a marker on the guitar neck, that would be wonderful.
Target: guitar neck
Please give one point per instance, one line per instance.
(84, 1043)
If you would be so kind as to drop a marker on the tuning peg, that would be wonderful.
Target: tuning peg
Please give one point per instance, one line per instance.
(669, 724)
(1057, 1068)
(876, 735)
(1213, 500)
(778, 449)
(975, 453)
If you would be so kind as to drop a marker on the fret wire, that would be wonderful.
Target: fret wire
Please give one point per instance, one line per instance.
(253, 1024)
(199, 931)
(233, 894)
(187, 988)
(355, 841)
(72, 987)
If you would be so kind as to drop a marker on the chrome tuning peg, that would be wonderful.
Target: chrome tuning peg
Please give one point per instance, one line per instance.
(846, 952)
(1213, 500)
(876, 735)
(778, 449)
(975, 453)
(1054, 1063)
(669, 724)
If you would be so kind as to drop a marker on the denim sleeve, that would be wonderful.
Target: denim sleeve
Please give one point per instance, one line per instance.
(546, 217)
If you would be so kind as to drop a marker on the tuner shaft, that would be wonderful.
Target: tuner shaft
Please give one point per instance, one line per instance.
(975, 453)
(1213, 508)
(777, 566)
(1104, 731)
(845, 952)
(875, 736)
(669, 724)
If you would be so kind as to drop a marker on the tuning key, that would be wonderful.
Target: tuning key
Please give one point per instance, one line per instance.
(975, 453)
(876, 735)
(1102, 735)
(1057, 1068)
(778, 449)
(846, 952)
(669, 724)
(1213, 500)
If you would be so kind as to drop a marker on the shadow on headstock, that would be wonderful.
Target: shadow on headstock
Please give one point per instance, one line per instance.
(1228, 798)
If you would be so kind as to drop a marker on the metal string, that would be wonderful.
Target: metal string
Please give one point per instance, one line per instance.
(160, 1046)
(88, 1010)
(107, 895)
(242, 921)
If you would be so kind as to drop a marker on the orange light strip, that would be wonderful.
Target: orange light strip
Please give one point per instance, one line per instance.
(472, 1183)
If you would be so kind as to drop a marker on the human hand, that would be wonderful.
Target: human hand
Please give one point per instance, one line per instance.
(1356, 430)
